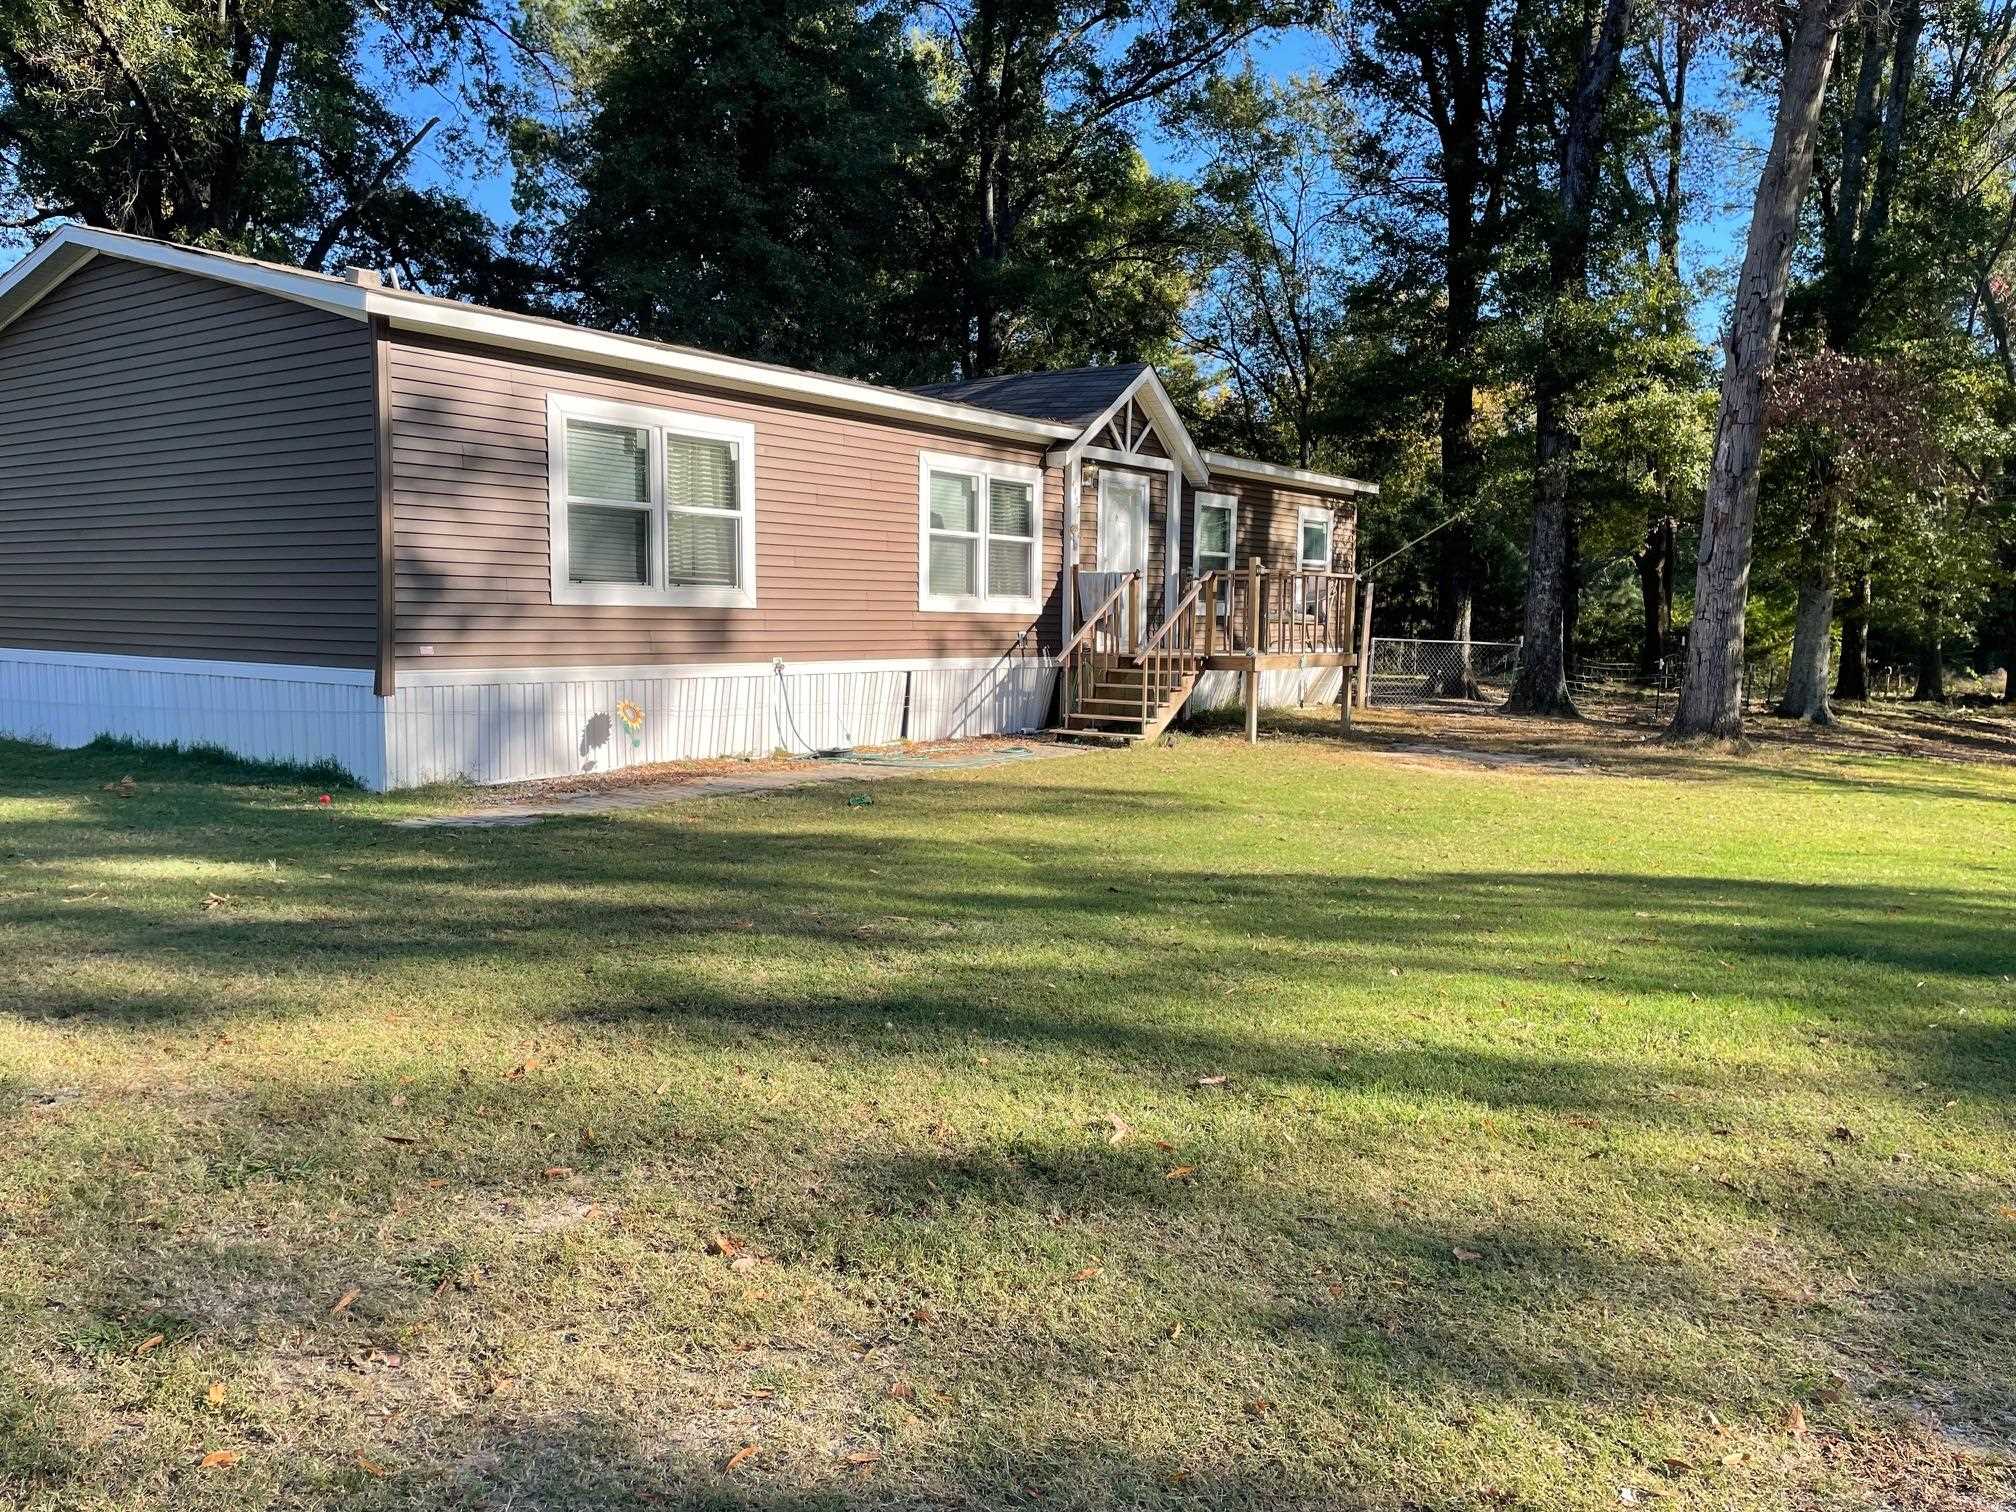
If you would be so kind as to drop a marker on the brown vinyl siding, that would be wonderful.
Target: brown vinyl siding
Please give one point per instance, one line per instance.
(186, 470)
(1270, 524)
(836, 505)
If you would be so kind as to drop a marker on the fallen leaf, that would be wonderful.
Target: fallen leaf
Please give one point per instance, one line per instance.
(218, 1459)
(518, 1072)
(371, 1466)
(742, 1263)
(1795, 1420)
(1467, 1256)
(343, 1302)
(1677, 1466)
(1179, 1173)
(762, 1394)
(1120, 1128)
(864, 1457)
(902, 1391)
(739, 1458)
(1088, 1273)
(215, 1395)
(1212, 1081)
(557, 1173)
(1259, 1407)
(399, 1139)
(149, 1342)
(721, 1244)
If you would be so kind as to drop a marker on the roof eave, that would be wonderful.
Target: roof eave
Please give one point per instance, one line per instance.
(1274, 472)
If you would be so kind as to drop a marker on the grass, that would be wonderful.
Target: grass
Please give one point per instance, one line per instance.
(1198, 1126)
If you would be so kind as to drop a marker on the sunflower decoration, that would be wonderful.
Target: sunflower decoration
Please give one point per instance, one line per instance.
(633, 722)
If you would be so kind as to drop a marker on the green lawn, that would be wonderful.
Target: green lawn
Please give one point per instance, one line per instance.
(1199, 1126)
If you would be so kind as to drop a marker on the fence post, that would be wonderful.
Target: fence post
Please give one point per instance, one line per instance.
(1255, 618)
(1364, 668)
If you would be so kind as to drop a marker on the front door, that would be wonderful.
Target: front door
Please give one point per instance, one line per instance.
(1123, 531)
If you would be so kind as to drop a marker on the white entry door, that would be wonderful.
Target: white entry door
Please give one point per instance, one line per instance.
(1123, 530)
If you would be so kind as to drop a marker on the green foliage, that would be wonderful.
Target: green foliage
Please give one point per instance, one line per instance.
(742, 179)
(274, 128)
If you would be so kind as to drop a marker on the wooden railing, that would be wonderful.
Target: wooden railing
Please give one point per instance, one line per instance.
(1171, 657)
(1263, 611)
(1106, 634)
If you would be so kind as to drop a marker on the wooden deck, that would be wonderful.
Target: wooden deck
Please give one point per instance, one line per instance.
(1122, 685)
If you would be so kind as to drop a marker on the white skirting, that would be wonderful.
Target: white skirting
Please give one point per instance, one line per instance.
(511, 726)
(1280, 688)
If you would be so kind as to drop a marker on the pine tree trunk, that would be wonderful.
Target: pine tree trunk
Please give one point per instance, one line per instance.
(1541, 685)
(1711, 701)
(1931, 663)
(1852, 685)
(1655, 593)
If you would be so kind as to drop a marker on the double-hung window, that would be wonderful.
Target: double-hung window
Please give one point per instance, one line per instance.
(650, 506)
(980, 547)
(1316, 524)
(1217, 538)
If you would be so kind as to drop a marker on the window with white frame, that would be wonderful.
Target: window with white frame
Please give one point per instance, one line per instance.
(650, 506)
(1216, 540)
(1316, 524)
(980, 535)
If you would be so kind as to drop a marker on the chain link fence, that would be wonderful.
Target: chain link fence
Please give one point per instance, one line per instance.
(1432, 674)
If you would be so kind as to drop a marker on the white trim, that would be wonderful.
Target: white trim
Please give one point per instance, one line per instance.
(1268, 472)
(562, 407)
(266, 671)
(1123, 459)
(1317, 514)
(1147, 390)
(28, 266)
(422, 313)
(1205, 500)
(629, 672)
(984, 472)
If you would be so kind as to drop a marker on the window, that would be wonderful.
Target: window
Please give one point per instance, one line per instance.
(1217, 533)
(1315, 539)
(981, 545)
(650, 506)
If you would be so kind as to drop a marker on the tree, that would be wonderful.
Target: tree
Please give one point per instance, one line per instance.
(1711, 701)
(1269, 319)
(777, 221)
(1541, 684)
(1449, 81)
(1037, 100)
(264, 128)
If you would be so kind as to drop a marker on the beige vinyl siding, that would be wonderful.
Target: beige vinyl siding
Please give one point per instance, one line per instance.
(837, 522)
(186, 470)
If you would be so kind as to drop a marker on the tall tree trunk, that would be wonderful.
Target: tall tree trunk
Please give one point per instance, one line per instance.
(1813, 631)
(1541, 685)
(1655, 592)
(1711, 702)
(1852, 685)
(1931, 661)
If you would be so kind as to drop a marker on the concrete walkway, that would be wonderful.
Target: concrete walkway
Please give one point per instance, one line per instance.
(643, 795)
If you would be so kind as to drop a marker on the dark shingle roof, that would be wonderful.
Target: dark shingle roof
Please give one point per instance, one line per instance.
(1075, 396)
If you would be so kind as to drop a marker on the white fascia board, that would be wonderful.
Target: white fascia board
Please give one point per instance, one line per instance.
(1161, 411)
(56, 251)
(633, 354)
(1270, 472)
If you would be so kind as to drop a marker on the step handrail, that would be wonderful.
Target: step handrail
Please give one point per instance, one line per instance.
(1183, 605)
(1092, 619)
(1166, 657)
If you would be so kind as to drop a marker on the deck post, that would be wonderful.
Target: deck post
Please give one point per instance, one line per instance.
(1344, 614)
(1133, 640)
(1364, 668)
(1255, 618)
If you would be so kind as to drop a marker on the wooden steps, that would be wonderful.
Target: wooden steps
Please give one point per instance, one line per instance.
(1111, 714)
